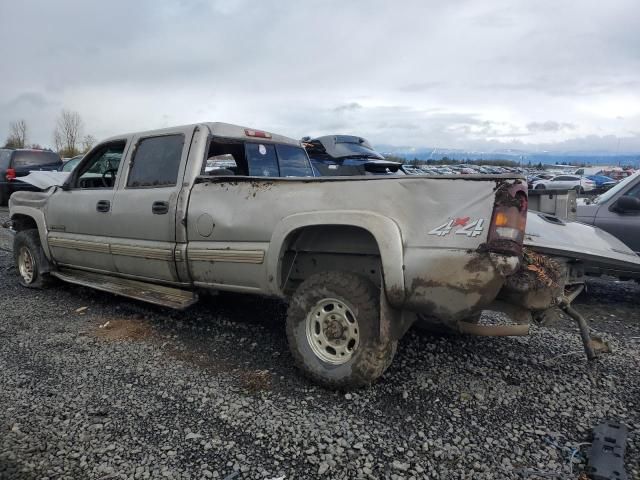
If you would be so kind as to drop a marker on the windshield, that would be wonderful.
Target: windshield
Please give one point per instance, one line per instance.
(611, 193)
(28, 158)
(71, 164)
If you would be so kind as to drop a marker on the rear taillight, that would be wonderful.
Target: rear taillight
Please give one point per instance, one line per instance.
(11, 174)
(509, 220)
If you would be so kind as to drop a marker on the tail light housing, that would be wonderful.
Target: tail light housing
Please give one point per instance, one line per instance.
(256, 133)
(10, 174)
(509, 220)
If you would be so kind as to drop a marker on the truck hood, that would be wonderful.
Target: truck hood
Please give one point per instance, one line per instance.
(596, 248)
(44, 179)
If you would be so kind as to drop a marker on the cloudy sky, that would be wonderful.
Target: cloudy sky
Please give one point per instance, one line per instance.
(544, 74)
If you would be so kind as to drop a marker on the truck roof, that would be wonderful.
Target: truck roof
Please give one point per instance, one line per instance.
(218, 129)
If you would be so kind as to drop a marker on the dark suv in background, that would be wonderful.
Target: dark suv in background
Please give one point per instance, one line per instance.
(18, 163)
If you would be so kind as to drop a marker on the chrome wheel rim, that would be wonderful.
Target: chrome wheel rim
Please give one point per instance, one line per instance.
(332, 331)
(26, 265)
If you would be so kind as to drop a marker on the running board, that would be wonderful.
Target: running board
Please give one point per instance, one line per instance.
(147, 292)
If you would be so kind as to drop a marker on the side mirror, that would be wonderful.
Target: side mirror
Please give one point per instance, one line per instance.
(627, 203)
(65, 187)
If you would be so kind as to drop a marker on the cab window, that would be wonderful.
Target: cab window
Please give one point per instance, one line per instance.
(100, 170)
(156, 162)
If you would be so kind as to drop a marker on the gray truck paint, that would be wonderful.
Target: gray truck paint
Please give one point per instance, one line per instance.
(247, 234)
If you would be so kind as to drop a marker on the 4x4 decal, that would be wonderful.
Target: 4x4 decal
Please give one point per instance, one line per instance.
(466, 226)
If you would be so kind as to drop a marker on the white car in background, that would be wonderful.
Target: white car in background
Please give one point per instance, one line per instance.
(566, 182)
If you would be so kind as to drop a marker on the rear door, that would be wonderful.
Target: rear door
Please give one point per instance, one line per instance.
(225, 251)
(560, 182)
(145, 206)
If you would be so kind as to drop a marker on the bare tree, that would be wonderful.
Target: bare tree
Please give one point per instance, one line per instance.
(66, 135)
(57, 140)
(88, 142)
(17, 135)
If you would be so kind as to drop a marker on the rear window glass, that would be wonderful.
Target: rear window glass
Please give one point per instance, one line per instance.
(34, 159)
(262, 160)
(342, 146)
(293, 162)
(156, 162)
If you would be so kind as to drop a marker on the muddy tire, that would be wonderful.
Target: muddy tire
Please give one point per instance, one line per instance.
(333, 331)
(31, 263)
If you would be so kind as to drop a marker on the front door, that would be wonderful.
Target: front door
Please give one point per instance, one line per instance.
(624, 225)
(80, 217)
(145, 207)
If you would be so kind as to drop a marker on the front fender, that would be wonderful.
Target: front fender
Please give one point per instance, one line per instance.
(383, 229)
(38, 217)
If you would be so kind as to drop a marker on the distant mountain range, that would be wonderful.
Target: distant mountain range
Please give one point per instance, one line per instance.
(594, 158)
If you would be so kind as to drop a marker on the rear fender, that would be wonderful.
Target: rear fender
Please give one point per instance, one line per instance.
(384, 230)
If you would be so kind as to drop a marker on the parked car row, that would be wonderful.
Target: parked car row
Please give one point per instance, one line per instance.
(459, 169)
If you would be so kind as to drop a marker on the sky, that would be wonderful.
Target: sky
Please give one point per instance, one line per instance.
(486, 75)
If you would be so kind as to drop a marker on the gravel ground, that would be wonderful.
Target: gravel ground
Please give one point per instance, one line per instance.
(211, 393)
(5, 238)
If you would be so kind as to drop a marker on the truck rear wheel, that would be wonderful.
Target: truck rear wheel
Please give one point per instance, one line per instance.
(31, 263)
(333, 330)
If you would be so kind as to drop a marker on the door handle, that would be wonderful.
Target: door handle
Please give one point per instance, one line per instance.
(103, 206)
(160, 208)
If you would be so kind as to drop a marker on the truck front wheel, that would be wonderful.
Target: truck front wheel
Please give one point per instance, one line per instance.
(333, 330)
(31, 263)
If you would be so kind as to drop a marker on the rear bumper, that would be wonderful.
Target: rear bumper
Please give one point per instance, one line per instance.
(454, 284)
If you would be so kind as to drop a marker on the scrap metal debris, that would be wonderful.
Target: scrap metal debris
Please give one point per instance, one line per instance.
(606, 456)
(544, 271)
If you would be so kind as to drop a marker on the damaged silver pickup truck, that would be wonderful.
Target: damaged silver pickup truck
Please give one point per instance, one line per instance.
(149, 216)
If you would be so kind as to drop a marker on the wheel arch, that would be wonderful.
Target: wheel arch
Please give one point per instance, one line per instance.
(23, 218)
(384, 233)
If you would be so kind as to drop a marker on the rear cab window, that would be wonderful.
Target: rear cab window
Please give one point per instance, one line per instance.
(256, 159)
(293, 161)
(262, 160)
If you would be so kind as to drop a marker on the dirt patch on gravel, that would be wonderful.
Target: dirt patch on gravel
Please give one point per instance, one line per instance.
(116, 329)
(256, 380)
(194, 357)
